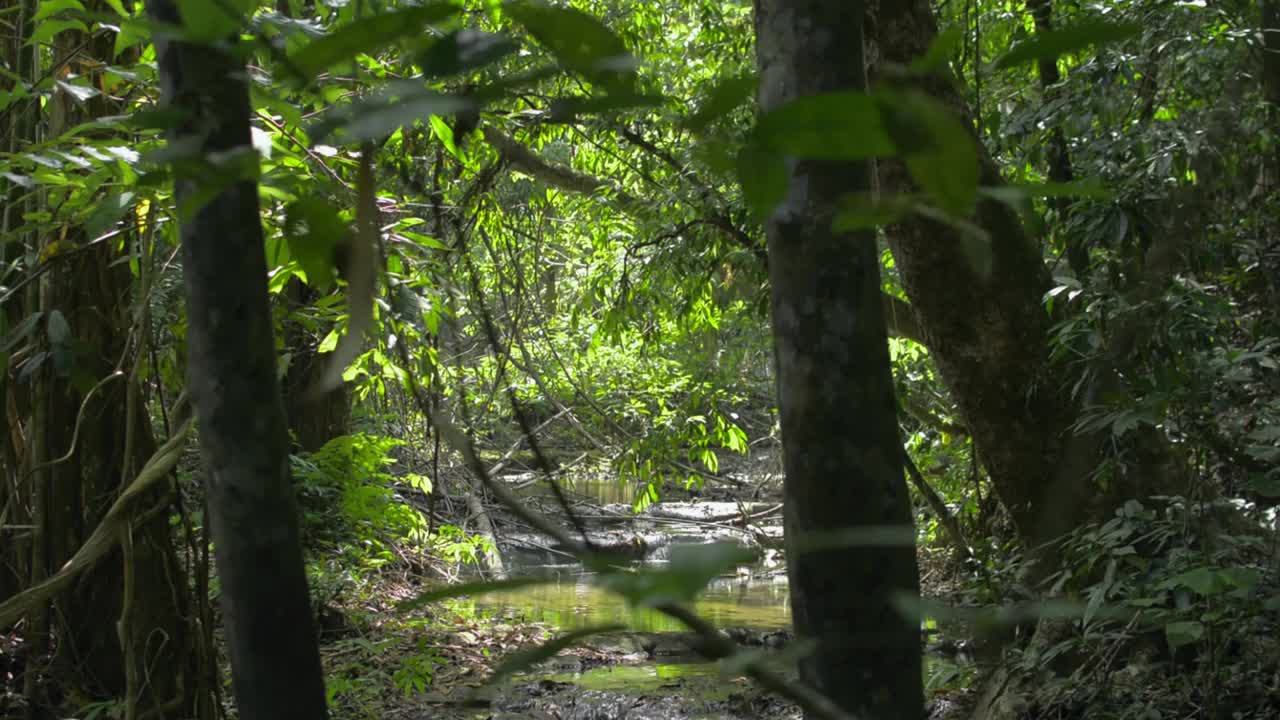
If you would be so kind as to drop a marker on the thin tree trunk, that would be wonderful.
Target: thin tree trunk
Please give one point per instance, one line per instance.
(313, 419)
(275, 662)
(1271, 84)
(1060, 169)
(844, 463)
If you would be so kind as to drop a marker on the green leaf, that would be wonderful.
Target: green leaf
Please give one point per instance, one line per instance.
(1059, 42)
(207, 21)
(366, 35)
(425, 241)
(47, 30)
(580, 42)
(1181, 633)
(832, 126)
(376, 117)
(471, 588)
(158, 118)
(867, 211)
(1265, 486)
(526, 659)
(329, 343)
(939, 52)
(1016, 195)
(48, 8)
(81, 93)
(763, 175)
(940, 152)
(566, 109)
(107, 212)
(687, 573)
(314, 230)
(1209, 581)
(725, 96)
(132, 32)
(463, 50)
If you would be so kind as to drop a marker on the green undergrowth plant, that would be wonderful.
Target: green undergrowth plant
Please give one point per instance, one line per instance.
(1181, 608)
(350, 500)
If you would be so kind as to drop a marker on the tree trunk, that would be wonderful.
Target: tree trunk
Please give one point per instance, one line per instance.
(68, 498)
(989, 335)
(275, 661)
(1271, 85)
(1060, 169)
(313, 421)
(844, 472)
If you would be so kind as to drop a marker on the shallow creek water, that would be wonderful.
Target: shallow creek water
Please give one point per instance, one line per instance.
(755, 598)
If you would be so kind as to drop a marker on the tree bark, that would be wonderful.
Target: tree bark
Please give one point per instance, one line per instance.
(70, 496)
(989, 335)
(844, 470)
(275, 662)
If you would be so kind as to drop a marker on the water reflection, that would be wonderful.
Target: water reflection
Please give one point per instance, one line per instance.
(574, 601)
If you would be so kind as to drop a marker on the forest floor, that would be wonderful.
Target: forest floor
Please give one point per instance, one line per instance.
(384, 662)
(437, 661)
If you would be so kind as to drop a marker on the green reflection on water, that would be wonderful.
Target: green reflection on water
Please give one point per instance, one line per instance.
(574, 602)
(647, 679)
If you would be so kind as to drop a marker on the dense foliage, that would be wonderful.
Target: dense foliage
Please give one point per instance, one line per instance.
(566, 278)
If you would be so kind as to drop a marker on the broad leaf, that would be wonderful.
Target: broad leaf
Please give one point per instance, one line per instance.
(940, 152)
(687, 573)
(464, 50)
(725, 96)
(376, 117)
(579, 41)
(366, 35)
(1065, 40)
(20, 331)
(566, 109)
(107, 212)
(314, 230)
(206, 21)
(1183, 633)
(940, 51)
(832, 126)
(762, 173)
(865, 211)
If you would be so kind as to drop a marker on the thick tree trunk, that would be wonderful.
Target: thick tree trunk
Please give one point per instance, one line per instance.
(271, 640)
(68, 498)
(93, 292)
(844, 471)
(989, 335)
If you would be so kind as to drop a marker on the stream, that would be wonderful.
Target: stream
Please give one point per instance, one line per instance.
(651, 671)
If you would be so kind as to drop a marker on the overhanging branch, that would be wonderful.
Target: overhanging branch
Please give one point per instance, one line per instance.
(898, 315)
